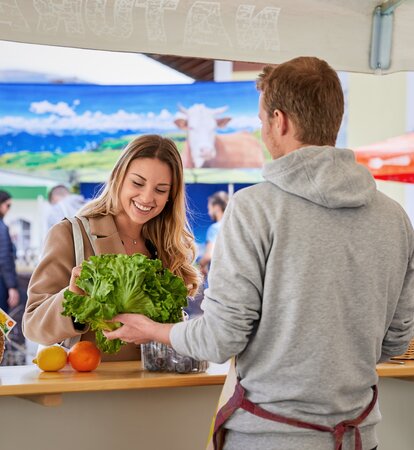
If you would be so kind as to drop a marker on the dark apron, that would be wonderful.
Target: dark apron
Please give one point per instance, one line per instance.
(239, 400)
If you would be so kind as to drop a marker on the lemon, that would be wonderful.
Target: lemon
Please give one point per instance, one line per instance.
(51, 359)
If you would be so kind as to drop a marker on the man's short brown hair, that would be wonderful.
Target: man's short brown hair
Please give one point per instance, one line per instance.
(309, 92)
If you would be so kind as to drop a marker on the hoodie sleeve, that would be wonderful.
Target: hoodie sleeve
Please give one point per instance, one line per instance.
(232, 304)
(401, 330)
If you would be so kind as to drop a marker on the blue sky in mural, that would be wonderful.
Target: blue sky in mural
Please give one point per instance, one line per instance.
(74, 117)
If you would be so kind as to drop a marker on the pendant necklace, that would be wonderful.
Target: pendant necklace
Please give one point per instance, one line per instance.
(134, 241)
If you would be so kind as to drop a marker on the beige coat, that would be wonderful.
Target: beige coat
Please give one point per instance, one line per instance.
(42, 320)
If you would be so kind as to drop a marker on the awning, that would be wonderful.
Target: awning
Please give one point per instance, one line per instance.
(25, 186)
(353, 35)
(392, 159)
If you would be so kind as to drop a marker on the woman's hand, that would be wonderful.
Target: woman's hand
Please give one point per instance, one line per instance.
(139, 329)
(72, 284)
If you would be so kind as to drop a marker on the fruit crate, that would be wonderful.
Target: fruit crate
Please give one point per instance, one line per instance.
(409, 354)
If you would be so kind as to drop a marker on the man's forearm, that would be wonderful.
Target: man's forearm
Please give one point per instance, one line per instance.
(161, 332)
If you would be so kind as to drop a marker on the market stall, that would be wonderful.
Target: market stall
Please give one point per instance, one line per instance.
(162, 410)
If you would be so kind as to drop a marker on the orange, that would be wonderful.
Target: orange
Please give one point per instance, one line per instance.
(84, 356)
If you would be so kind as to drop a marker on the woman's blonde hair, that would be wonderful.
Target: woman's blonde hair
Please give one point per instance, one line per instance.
(169, 231)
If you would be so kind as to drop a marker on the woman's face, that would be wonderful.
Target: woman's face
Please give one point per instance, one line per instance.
(145, 189)
(4, 207)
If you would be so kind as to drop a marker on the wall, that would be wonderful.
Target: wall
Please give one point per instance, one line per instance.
(377, 107)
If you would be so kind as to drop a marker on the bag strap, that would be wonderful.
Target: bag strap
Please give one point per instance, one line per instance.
(77, 241)
(91, 237)
(79, 256)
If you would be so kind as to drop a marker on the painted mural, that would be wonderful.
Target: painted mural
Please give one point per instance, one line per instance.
(77, 131)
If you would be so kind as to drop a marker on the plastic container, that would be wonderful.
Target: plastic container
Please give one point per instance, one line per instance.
(158, 357)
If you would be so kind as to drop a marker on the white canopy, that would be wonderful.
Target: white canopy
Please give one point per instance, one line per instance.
(265, 31)
(9, 178)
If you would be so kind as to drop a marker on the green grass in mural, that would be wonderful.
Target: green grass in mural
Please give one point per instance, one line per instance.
(103, 156)
(28, 160)
(101, 159)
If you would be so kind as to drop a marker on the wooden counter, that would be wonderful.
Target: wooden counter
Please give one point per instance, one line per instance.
(397, 370)
(109, 376)
(120, 406)
(113, 376)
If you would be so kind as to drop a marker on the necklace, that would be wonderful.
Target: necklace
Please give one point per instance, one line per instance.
(134, 241)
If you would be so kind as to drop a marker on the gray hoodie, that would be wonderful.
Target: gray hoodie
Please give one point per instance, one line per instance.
(311, 284)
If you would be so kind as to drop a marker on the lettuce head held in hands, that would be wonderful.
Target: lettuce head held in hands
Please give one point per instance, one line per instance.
(115, 284)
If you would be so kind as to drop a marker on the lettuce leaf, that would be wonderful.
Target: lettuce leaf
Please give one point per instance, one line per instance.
(116, 284)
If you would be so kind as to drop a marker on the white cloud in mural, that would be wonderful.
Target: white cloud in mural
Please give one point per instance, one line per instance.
(60, 108)
(63, 119)
(245, 123)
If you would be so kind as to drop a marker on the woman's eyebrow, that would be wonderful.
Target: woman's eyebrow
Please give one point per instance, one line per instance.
(159, 184)
(138, 175)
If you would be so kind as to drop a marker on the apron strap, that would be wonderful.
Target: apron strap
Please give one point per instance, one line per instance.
(239, 400)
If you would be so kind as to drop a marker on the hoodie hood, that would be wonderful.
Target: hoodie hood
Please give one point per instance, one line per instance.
(327, 176)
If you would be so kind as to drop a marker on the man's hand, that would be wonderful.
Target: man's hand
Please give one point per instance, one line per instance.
(204, 266)
(139, 329)
(14, 298)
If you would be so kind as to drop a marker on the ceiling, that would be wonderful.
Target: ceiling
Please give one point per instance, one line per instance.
(199, 68)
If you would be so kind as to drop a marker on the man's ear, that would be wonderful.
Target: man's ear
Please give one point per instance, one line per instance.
(282, 121)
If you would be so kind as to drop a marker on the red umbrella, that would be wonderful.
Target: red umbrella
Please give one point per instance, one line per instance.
(392, 159)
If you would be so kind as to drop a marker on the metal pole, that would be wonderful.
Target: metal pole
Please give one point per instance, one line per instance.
(389, 6)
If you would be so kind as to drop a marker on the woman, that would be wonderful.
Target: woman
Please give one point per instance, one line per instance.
(9, 294)
(141, 210)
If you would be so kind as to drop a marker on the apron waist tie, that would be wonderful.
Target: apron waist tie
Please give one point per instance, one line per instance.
(239, 400)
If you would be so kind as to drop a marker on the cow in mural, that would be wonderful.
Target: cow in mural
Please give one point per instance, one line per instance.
(204, 148)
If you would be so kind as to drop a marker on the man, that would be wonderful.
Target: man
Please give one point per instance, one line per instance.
(216, 205)
(311, 283)
(62, 204)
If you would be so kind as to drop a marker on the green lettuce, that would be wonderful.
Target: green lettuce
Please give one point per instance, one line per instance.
(115, 284)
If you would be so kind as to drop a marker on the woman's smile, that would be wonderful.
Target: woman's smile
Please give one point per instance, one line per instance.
(141, 207)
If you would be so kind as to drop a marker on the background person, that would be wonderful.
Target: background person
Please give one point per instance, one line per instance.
(142, 209)
(216, 205)
(11, 300)
(62, 203)
(9, 293)
(312, 279)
